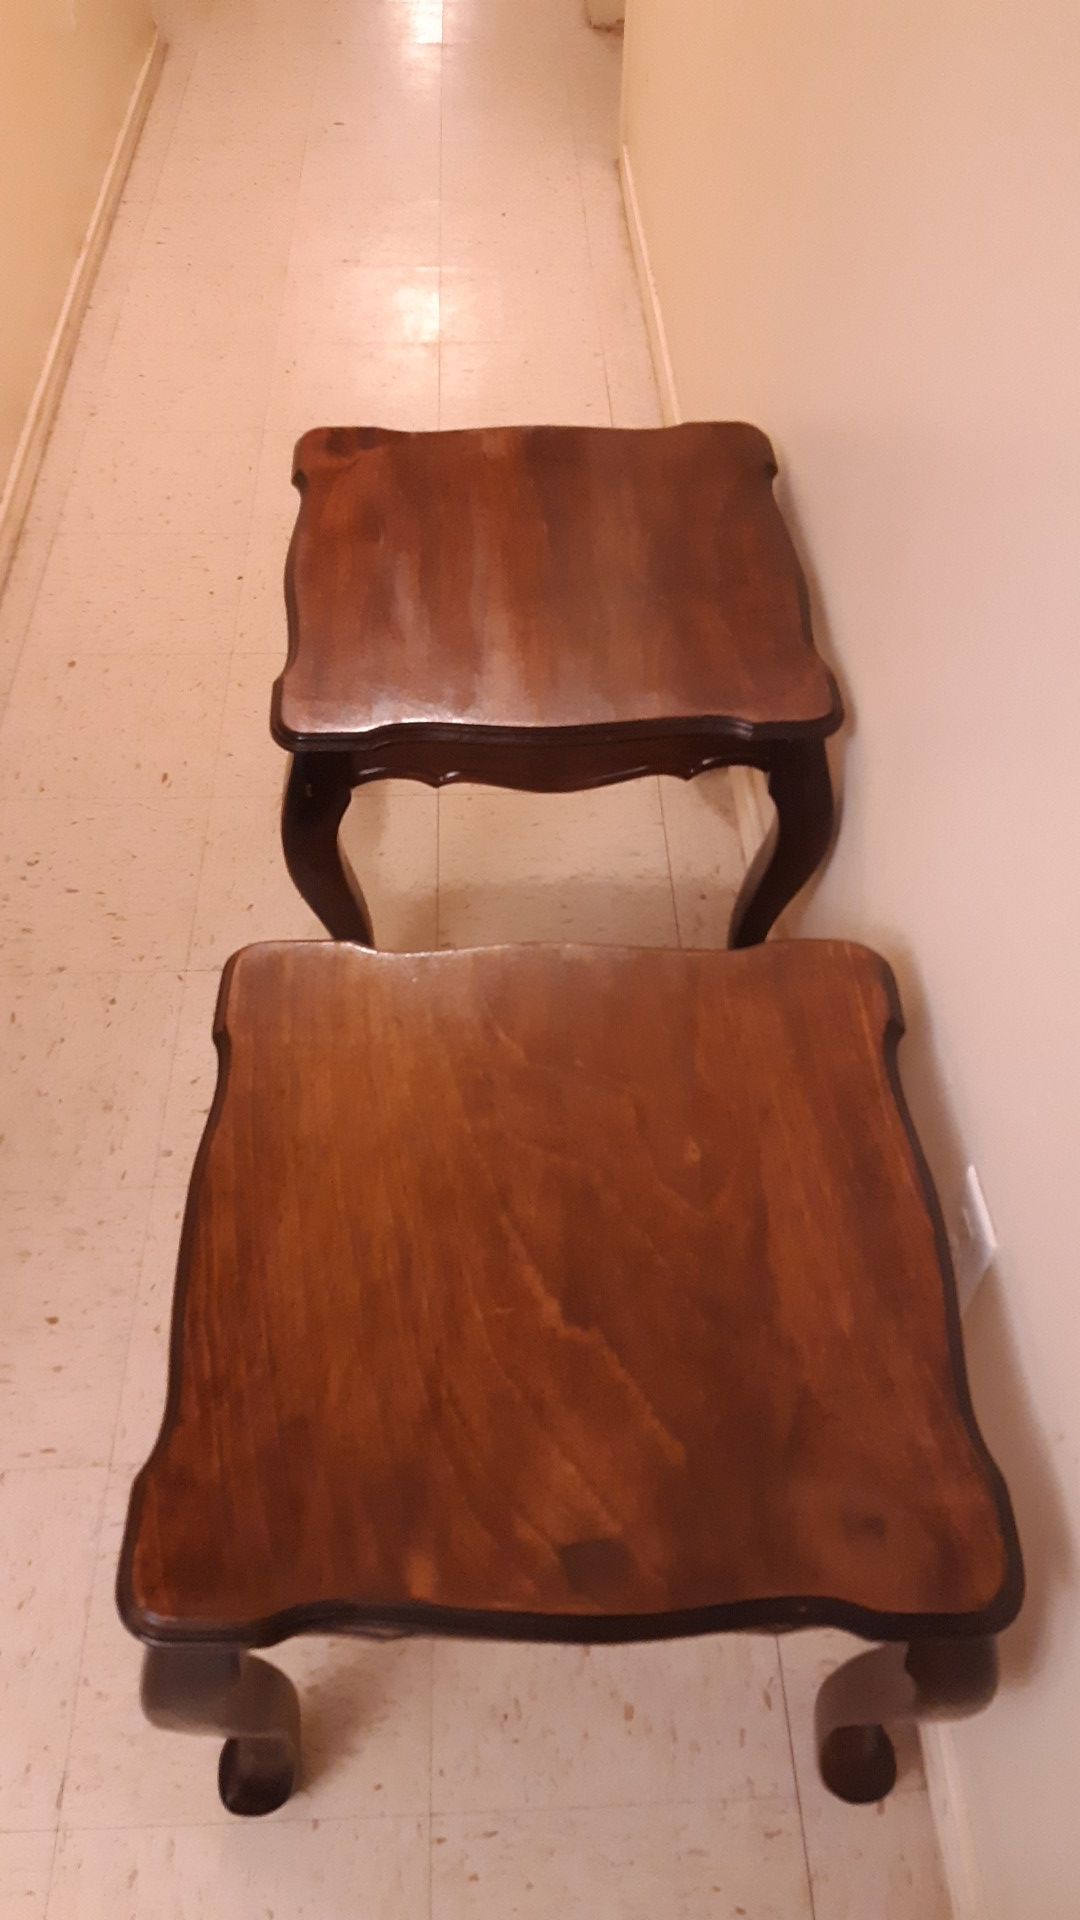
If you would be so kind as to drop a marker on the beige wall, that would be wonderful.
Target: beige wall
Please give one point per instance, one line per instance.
(864, 226)
(67, 70)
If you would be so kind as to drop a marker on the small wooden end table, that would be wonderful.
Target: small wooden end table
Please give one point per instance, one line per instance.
(563, 1294)
(546, 608)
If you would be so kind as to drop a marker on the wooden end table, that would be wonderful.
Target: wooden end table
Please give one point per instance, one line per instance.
(546, 608)
(563, 1294)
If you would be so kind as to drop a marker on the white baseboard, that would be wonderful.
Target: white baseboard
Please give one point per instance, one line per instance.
(955, 1839)
(650, 299)
(751, 812)
(19, 484)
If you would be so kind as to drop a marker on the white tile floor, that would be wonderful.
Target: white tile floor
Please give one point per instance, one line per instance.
(403, 211)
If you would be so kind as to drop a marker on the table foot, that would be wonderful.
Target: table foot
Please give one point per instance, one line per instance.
(801, 792)
(223, 1690)
(317, 794)
(930, 1679)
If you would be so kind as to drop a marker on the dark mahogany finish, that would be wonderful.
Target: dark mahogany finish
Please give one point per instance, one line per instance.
(562, 1293)
(547, 577)
(547, 608)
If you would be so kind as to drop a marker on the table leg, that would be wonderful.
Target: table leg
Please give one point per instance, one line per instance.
(207, 1689)
(801, 792)
(317, 793)
(928, 1680)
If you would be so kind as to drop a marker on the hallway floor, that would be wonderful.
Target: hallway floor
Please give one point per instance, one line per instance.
(392, 211)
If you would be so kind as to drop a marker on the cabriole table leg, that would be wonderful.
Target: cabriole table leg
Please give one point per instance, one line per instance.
(317, 794)
(928, 1680)
(801, 792)
(223, 1690)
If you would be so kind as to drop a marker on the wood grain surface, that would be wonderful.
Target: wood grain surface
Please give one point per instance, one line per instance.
(588, 1293)
(544, 578)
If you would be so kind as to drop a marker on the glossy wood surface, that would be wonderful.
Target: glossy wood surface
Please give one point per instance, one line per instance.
(543, 578)
(578, 1292)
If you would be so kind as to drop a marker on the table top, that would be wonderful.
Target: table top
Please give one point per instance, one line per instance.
(544, 578)
(565, 1292)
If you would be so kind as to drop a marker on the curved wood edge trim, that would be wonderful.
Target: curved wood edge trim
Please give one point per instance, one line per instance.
(223, 1046)
(769, 1616)
(317, 439)
(711, 733)
(543, 759)
(775, 1614)
(1010, 1598)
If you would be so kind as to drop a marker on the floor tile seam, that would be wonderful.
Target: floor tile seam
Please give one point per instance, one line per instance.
(795, 1777)
(679, 941)
(593, 277)
(318, 65)
(783, 1803)
(787, 1801)
(282, 1820)
(72, 1712)
(162, 1120)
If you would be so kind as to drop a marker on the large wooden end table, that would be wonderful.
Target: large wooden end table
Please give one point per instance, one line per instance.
(546, 608)
(563, 1294)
